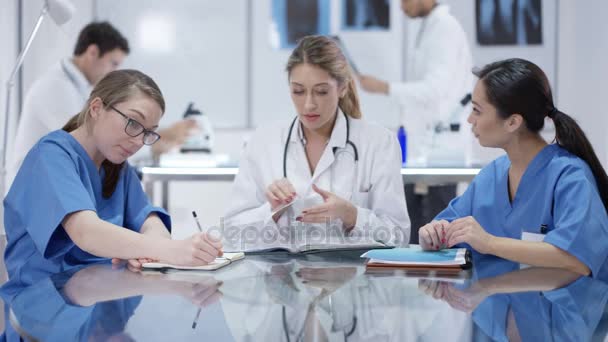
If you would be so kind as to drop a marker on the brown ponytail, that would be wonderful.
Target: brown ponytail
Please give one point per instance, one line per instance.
(117, 86)
(349, 104)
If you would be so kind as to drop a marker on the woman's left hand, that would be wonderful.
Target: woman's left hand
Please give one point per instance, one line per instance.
(132, 264)
(468, 230)
(333, 207)
(465, 300)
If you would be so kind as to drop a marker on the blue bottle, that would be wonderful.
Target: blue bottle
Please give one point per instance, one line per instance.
(402, 136)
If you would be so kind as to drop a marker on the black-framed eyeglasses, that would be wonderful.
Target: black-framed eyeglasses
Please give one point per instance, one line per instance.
(133, 128)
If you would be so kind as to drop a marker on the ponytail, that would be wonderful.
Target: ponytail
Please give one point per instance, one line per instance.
(349, 104)
(520, 86)
(112, 171)
(571, 137)
(72, 124)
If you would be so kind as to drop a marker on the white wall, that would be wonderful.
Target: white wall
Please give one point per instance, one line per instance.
(583, 68)
(194, 49)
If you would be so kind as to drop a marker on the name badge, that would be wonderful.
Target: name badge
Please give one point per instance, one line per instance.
(534, 237)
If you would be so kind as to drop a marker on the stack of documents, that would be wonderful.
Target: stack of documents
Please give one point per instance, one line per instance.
(416, 258)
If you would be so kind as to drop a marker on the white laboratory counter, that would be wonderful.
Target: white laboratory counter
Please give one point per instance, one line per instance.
(164, 175)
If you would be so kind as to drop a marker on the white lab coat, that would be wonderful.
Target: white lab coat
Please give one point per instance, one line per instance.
(375, 186)
(50, 102)
(438, 73)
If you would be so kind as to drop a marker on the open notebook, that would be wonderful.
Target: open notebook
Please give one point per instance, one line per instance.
(335, 244)
(225, 259)
(414, 257)
(298, 238)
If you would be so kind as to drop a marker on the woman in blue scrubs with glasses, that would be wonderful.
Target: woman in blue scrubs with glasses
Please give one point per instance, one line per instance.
(75, 199)
(540, 204)
(326, 162)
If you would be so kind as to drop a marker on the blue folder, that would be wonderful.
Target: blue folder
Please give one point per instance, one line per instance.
(411, 254)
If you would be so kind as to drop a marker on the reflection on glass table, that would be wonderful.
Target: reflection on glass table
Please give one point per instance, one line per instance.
(529, 304)
(327, 296)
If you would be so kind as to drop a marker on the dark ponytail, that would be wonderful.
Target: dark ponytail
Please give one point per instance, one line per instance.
(519, 86)
(571, 137)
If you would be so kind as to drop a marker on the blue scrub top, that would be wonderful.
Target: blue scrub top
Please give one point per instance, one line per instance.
(58, 178)
(557, 190)
(571, 313)
(45, 313)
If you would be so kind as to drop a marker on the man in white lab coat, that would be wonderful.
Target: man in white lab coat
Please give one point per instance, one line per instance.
(438, 65)
(62, 91)
(438, 76)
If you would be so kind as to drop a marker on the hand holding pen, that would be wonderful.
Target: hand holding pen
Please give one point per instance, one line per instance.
(200, 229)
(197, 250)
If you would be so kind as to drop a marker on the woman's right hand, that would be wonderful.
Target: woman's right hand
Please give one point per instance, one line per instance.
(432, 236)
(202, 293)
(279, 193)
(197, 250)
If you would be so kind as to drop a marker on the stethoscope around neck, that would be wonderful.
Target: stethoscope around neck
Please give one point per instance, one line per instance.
(334, 149)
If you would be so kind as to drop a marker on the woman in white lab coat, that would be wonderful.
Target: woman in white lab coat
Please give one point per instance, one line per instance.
(333, 164)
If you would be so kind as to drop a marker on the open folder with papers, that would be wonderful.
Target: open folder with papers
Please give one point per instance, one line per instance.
(225, 259)
(416, 258)
(316, 247)
(297, 238)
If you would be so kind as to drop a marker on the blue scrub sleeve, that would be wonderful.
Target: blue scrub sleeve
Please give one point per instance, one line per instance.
(53, 189)
(460, 206)
(580, 220)
(138, 206)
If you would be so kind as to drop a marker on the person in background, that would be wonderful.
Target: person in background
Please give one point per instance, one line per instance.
(438, 75)
(438, 66)
(540, 204)
(62, 91)
(341, 166)
(75, 200)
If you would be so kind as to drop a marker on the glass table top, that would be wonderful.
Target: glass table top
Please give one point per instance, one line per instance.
(316, 297)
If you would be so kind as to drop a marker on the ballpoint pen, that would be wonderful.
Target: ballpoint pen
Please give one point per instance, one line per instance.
(198, 224)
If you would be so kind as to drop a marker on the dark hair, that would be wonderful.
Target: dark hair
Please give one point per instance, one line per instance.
(519, 86)
(116, 87)
(102, 34)
(325, 53)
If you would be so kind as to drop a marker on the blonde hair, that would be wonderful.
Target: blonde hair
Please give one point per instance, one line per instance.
(324, 52)
(116, 87)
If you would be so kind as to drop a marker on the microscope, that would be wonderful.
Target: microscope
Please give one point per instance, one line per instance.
(204, 139)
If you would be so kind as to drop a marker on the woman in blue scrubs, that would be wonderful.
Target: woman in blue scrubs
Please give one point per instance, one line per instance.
(540, 204)
(76, 200)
